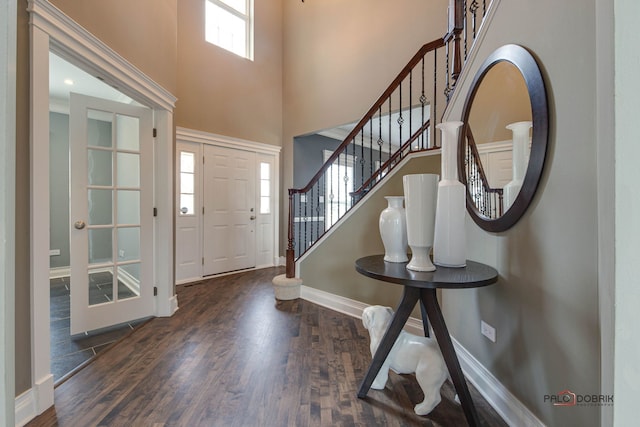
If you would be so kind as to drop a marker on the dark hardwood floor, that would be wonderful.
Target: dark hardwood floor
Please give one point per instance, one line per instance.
(233, 356)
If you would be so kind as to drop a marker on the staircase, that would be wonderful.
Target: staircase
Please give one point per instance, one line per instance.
(398, 124)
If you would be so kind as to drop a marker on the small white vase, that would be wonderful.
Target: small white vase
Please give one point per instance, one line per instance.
(520, 132)
(449, 244)
(420, 191)
(393, 230)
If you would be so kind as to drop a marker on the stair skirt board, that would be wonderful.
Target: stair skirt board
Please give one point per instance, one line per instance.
(506, 404)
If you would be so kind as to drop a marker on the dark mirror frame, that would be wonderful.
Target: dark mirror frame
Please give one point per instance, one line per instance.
(528, 67)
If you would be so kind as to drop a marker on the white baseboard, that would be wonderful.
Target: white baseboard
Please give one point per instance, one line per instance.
(512, 411)
(34, 401)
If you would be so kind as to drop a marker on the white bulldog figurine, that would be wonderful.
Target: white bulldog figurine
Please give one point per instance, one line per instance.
(409, 354)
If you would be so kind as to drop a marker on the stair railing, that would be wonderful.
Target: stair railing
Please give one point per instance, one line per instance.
(488, 201)
(396, 125)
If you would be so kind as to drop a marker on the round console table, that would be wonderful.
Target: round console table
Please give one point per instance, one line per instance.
(422, 286)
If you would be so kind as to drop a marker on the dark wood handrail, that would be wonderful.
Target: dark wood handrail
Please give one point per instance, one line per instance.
(428, 47)
(476, 158)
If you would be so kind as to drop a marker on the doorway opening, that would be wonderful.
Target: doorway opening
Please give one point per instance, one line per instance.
(69, 350)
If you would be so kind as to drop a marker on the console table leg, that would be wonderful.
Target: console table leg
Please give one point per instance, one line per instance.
(425, 319)
(409, 299)
(430, 301)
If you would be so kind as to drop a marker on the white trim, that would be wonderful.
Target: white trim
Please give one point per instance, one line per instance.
(186, 135)
(513, 412)
(74, 43)
(129, 281)
(25, 408)
(50, 29)
(473, 53)
(606, 191)
(8, 26)
(191, 135)
(59, 272)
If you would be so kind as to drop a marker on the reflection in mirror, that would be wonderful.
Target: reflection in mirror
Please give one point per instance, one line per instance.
(501, 100)
(504, 139)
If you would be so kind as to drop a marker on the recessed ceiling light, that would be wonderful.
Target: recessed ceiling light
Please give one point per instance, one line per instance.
(68, 82)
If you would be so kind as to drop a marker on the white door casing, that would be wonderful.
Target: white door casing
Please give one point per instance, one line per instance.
(111, 237)
(51, 30)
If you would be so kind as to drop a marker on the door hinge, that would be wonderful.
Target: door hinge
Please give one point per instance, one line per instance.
(155, 132)
(155, 291)
(203, 210)
(202, 260)
(155, 211)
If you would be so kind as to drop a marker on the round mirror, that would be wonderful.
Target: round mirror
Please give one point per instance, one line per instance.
(504, 138)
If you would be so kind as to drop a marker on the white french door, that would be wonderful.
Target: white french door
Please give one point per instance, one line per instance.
(111, 230)
(229, 217)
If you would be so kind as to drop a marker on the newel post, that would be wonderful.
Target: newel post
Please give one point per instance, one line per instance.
(456, 26)
(290, 269)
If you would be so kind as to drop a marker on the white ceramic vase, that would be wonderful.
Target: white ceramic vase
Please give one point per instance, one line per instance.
(420, 192)
(393, 230)
(520, 132)
(449, 244)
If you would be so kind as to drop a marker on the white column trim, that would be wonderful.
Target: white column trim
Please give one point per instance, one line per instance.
(77, 45)
(8, 14)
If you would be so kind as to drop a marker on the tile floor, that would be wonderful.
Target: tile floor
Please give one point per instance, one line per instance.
(70, 353)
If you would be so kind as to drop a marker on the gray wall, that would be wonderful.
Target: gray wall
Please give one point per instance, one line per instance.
(545, 306)
(59, 188)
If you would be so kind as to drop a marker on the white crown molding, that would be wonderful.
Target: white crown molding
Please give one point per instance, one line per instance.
(75, 43)
(192, 135)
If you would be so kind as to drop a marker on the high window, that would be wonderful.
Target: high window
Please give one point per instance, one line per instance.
(229, 25)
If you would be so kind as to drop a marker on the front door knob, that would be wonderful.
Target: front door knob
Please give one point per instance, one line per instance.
(79, 225)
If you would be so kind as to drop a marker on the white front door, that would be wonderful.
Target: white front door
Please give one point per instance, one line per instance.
(111, 236)
(229, 239)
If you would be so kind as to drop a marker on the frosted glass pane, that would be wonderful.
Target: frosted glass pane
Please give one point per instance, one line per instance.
(186, 204)
(264, 188)
(99, 132)
(187, 183)
(99, 167)
(128, 281)
(127, 132)
(100, 286)
(187, 162)
(100, 207)
(128, 170)
(128, 207)
(128, 244)
(100, 245)
(265, 171)
(264, 205)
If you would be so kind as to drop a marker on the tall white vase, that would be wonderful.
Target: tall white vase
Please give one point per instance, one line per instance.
(420, 192)
(449, 245)
(520, 132)
(393, 230)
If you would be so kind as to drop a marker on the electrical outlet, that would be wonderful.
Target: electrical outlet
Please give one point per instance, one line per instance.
(488, 330)
(121, 253)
